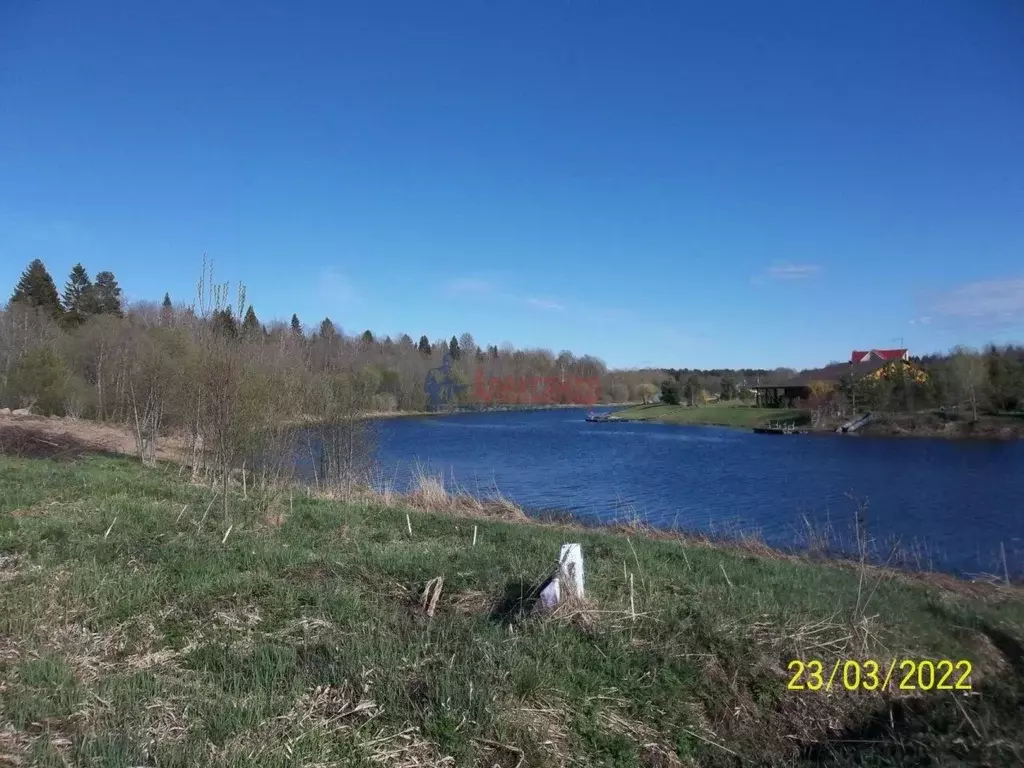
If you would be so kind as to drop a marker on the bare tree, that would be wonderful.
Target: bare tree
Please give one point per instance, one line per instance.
(969, 377)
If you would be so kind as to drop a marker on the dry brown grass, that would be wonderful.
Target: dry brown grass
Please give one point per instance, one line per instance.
(56, 437)
(428, 493)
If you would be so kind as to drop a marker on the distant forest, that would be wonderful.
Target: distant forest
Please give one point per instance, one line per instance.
(83, 352)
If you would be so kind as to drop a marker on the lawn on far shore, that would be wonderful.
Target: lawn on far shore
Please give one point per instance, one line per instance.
(718, 414)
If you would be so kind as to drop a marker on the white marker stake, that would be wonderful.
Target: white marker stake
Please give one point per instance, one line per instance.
(570, 561)
(632, 605)
(569, 572)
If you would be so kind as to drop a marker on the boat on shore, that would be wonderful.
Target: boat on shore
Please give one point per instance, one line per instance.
(779, 429)
(602, 417)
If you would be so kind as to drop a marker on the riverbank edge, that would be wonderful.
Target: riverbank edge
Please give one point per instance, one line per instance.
(470, 409)
(986, 428)
(65, 438)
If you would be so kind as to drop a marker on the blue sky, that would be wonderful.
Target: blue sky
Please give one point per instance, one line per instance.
(657, 183)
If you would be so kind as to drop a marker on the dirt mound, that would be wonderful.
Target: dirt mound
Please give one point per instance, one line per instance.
(27, 440)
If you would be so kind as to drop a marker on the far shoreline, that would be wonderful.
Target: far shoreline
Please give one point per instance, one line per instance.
(987, 428)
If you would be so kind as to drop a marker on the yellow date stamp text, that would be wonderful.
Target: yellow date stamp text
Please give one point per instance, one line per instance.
(871, 675)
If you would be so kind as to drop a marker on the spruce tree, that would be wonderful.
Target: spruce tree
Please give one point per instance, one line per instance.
(79, 299)
(424, 346)
(167, 310)
(37, 289)
(367, 338)
(296, 326)
(108, 295)
(250, 325)
(453, 348)
(327, 329)
(224, 323)
(76, 290)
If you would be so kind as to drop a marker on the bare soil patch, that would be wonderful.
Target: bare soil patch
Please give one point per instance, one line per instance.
(66, 438)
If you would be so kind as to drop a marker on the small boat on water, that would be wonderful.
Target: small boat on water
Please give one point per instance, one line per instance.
(603, 417)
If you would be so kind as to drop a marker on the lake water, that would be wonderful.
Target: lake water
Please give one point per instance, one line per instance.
(949, 504)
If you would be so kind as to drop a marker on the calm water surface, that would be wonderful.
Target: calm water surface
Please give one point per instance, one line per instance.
(948, 504)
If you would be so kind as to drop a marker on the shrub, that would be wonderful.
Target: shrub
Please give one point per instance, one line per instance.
(670, 392)
(39, 380)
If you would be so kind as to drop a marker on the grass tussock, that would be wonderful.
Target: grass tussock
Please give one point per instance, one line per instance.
(140, 627)
(428, 493)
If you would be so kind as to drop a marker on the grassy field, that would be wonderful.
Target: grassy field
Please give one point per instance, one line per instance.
(139, 627)
(726, 415)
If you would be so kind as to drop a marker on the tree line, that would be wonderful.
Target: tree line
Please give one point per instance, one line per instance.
(79, 352)
(972, 381)
(77, 355)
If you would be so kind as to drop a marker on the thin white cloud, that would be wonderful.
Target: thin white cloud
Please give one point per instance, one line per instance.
(473, 286)
(542, 302)
(478, 287)
(791, 271)
(926, 320)
(984, 303)
(336, 289)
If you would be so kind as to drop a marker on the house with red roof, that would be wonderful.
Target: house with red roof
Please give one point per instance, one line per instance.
(871, 355)
(870, 364)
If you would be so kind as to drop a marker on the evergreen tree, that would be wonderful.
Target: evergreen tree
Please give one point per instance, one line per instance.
(79, 299)
(1005, 378)
(224, 323)
(296, 326)
(405, 340)
(107, 295)
(37, 289)
(453, 349)
(367, 338)
(424, 346)
(670, 392)
(250, 325)
(327, 329)
(167, 310)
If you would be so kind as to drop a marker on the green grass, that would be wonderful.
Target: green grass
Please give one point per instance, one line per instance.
(718, 414)
(134, 634)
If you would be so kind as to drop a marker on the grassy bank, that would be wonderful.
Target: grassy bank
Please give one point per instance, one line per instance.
(935, 424)
(139, 627)
(723, 414)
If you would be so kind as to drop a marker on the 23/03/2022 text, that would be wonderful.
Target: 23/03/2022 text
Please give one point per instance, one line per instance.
(871, 675)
